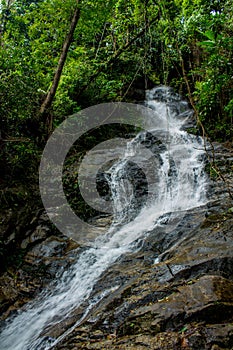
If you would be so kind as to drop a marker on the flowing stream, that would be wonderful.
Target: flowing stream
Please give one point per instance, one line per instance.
(176, 183)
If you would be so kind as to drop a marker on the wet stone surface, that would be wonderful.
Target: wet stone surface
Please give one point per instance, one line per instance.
(179, 299)
(42, 255)
(174, 293)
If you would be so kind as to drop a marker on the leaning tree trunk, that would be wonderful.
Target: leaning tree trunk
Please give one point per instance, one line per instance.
(51, 94)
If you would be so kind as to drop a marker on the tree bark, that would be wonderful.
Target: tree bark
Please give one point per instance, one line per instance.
(51, 94)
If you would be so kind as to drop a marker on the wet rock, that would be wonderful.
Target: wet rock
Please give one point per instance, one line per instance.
(50, 247)
(175, 292)
(45, 260)
(101, 221)
(17, 288)
(41, 233)
(200, 300)
(8, 288)
(5, 220)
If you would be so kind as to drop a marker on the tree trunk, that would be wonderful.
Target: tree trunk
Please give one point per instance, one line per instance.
(50, 96)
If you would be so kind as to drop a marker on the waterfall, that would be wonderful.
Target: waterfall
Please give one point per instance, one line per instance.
(177, 182)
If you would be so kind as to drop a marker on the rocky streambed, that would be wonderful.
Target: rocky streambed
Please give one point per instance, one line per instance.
(183, 301)
(174, 292)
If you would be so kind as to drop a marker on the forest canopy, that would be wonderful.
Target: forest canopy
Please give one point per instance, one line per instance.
(116, 48)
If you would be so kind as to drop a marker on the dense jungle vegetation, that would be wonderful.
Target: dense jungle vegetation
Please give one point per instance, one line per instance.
(57, 57)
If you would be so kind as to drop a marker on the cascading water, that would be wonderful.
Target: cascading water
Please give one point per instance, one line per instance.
(177, 183)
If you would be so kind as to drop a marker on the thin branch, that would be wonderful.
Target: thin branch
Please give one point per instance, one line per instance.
(16, 139)
(112, 60)
(51, 94)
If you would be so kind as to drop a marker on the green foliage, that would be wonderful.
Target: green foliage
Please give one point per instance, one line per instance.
(118, 47)
(199, 34)
(214, 89)
(114, 48)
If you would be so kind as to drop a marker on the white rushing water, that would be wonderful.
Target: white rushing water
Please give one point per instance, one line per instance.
(177, 183)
